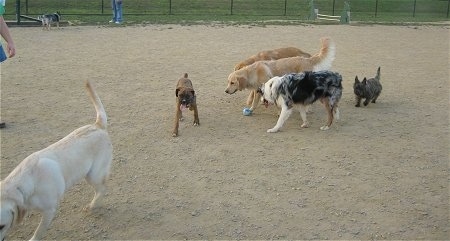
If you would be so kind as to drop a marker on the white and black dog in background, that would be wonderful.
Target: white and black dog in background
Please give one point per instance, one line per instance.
(48, 19)
(302, 89)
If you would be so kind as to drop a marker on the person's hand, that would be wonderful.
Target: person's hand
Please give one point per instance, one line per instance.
(11, 49)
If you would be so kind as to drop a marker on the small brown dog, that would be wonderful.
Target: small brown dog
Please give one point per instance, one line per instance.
(186, 99)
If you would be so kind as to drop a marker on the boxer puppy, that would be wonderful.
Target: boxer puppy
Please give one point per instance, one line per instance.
(186, 99)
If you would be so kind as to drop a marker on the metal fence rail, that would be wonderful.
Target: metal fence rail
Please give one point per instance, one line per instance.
(300, 8)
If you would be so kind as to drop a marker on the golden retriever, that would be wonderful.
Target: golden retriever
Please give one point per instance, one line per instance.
(272, 55)
(253, 76)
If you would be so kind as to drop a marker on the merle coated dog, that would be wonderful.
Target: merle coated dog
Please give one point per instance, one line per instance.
(48, 19)
(302, 89)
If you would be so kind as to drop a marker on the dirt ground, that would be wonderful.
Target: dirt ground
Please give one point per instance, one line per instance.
(381, 172)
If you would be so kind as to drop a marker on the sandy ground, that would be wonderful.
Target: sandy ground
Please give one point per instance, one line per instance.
(381, 172)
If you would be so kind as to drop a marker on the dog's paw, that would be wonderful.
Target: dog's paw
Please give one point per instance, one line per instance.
(196, 123)
(174, 134)
(273, 130)
(324, 128)
(305, 125)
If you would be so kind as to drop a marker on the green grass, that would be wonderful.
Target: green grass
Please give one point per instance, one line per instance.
(241, 11)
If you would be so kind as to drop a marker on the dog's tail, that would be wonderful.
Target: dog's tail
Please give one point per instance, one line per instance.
(377, 77)
(324, 59)
(335, 90)
(102, 119)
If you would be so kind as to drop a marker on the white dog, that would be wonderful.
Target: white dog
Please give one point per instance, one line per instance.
(40, 180)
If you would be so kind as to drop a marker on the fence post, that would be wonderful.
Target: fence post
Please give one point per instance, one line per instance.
(285, 7)
(231, 7)
(414, 11)
(448, 8)
(312, 11)
(376, 8)
(345, 15)
(334, 2)
(18, 11)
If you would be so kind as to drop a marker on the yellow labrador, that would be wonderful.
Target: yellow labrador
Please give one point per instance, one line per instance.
(40, 180)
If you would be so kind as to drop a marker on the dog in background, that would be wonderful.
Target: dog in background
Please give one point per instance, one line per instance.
(186, 99)
(253, 76)
(40, 180)
(48, 19)
(368, 89)
(272, 55)
(300, 90)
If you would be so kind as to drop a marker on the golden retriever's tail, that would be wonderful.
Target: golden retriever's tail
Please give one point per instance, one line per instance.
(102, 120)
(324, 59)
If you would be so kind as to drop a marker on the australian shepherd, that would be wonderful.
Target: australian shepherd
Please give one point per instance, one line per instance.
(300, 90)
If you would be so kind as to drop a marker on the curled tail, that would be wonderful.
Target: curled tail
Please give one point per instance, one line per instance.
(324, 59)
(102, 120)
(378, 74)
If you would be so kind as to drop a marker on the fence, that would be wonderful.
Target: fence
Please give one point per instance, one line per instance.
(361, 9)
(343, 18)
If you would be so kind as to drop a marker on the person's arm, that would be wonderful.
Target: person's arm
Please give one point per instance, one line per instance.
(4, 32)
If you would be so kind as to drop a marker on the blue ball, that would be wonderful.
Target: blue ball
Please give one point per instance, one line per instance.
(246, 111)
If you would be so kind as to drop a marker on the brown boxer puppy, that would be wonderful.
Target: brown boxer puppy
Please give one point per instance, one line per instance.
(185, 100)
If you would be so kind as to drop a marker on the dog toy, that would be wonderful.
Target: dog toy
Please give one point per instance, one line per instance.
(246, 111)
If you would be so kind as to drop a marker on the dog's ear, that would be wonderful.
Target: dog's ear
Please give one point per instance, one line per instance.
(241, 82)
(193, 92)
(364, 81)
(176, 92)
(356, 80)
(15, 203)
